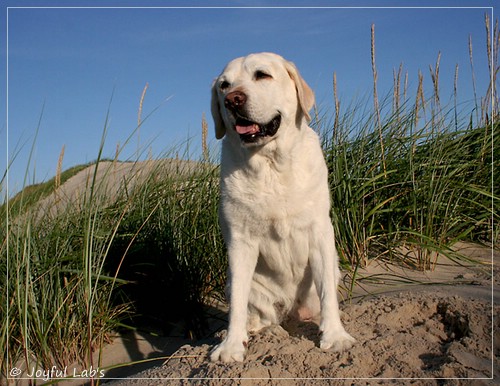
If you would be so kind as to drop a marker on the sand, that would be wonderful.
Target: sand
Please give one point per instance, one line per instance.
(407, 333)
(110, 179)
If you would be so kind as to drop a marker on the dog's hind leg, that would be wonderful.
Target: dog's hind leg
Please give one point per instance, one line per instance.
(306, 306)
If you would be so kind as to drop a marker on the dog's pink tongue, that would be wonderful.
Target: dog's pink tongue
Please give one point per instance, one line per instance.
(250, 129)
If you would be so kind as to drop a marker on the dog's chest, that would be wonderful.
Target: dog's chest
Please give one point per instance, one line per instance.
(267, 197)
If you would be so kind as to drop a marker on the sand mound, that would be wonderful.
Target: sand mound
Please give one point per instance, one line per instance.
(108, 180)
(424, 335)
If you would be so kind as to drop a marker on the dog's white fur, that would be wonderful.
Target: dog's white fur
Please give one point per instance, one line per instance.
(275, 205)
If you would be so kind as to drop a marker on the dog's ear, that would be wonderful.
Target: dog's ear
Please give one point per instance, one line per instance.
(220, 129)
(304, 92)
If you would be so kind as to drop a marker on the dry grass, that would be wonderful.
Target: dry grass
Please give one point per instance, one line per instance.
(204, 135)
(336, 105)
(57, 183)
(375, 99)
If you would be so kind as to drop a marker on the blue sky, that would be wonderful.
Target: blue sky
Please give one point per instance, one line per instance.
(70, 62)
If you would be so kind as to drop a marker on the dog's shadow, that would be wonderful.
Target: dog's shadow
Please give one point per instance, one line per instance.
(307, 329)
(289, 329)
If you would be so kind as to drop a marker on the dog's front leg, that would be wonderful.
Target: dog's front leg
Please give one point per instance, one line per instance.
(242, 261)
(324, 264)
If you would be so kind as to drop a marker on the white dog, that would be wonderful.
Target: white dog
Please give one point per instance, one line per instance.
(275, 204)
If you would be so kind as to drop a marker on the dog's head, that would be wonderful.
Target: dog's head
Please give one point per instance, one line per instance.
(257, 95)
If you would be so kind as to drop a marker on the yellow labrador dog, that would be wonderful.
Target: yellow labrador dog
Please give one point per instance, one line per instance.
(275, 204)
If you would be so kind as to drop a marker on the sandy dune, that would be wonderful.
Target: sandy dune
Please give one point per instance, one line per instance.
(412, 333)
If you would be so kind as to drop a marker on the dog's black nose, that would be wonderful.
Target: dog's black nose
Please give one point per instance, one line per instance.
(235, 100)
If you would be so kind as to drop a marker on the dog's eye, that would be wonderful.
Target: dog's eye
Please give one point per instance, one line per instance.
(259, 75)
(224, 85)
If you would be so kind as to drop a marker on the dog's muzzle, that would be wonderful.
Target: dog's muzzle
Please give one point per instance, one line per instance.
(251, 132)
(248, 130)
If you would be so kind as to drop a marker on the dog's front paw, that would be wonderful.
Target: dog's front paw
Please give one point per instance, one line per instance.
(336, 341)
(229, 351)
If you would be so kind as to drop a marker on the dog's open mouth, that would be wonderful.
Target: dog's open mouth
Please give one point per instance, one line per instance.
(251, 132)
